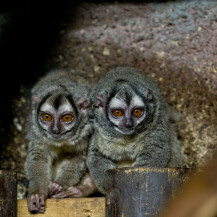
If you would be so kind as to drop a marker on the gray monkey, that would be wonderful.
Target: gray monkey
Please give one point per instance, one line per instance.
(58, 134)
(133, 125)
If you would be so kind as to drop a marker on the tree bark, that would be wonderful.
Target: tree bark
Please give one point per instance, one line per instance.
(141, 191)
(8, 194)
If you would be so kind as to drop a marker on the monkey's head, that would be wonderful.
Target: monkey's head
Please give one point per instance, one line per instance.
(58, 115)
(126, 109)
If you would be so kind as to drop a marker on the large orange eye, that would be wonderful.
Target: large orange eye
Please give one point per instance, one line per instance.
(117, 113)
(137, 112)
(46, 117)
(67, 118)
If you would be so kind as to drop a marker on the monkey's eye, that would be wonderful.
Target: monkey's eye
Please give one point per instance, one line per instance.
(46, 117)
(67, 118)
(137, 112)
(117, 113)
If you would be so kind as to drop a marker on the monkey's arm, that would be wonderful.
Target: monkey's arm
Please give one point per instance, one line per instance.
(98, 165)
(70, 171)
(156, 151)
(38, 172)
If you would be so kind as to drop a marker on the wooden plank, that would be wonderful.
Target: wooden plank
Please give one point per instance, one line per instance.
(72, 207)
(141, 191)
(8, 194)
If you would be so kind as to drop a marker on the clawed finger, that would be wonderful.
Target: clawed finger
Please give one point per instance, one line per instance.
(54, 188)
(71, 192)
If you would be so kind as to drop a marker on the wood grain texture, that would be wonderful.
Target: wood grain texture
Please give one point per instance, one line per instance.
(140, 192)
(73, 207)
(8, 194)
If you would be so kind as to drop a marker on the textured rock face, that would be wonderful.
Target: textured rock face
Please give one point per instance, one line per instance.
(174, 43)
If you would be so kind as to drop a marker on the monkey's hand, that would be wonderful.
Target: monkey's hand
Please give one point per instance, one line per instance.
(85, 188)
(36, 203)
(54, 188)
(70, 192)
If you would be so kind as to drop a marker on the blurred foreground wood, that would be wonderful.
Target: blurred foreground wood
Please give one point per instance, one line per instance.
(198, 196)
(8, 194)
(74, 207)
(140, 192)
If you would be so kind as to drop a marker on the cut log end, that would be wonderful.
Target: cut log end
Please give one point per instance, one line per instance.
(140, 191)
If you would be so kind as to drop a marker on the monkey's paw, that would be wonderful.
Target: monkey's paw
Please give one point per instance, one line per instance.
(36, 203)
(54, 189)
(70, 192)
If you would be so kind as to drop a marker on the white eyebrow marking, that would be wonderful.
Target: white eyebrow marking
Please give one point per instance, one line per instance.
(66, 107)
(115, 102)
(47, 107)
(137, 102)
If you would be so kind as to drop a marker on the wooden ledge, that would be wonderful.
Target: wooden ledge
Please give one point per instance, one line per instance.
(75, 207)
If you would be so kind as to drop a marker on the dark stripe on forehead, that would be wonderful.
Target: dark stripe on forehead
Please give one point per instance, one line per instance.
(148, 116)
(43, 100)
(57, 101)
(70, 99)
(40, 104)
(121, 81)
(142, 97)
(112, 94)
(128, 97)
(139, 93)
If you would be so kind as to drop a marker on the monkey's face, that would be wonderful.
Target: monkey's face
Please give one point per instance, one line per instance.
(125, 118)
(57, 116)
(126, 111)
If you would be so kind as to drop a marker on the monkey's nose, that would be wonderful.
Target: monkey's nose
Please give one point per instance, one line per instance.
(55, 130)
(129, 123)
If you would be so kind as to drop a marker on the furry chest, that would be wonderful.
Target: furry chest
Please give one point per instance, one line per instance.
(120, 151)
(68, 149)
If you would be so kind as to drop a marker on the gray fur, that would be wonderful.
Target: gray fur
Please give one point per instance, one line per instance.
(153, 144)
(58, 160)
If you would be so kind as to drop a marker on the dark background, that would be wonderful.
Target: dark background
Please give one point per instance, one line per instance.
(28, 33)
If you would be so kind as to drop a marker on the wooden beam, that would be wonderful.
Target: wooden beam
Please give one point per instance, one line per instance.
(8, 194)
(140, 192)
(74, 207)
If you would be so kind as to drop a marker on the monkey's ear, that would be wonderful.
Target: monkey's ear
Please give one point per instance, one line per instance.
(82, 104)
(98, 102)
(149, 95)
(36, 100)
